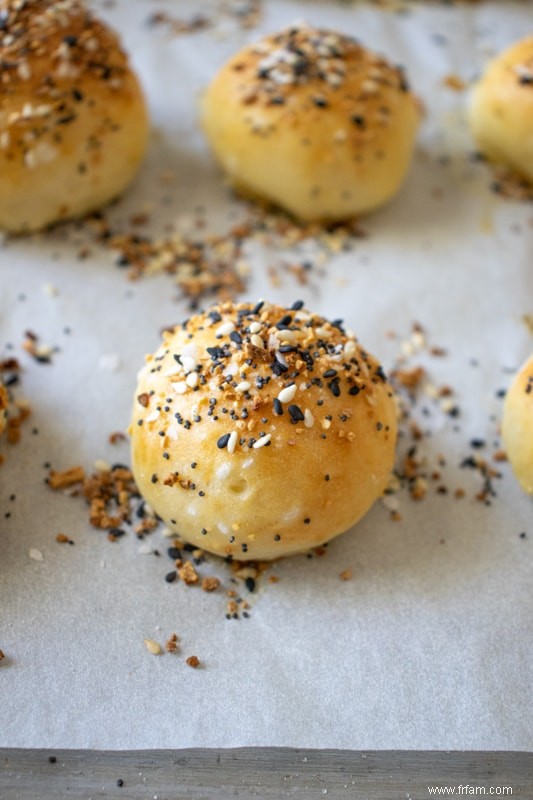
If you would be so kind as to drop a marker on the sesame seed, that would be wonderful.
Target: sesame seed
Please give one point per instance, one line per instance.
(287, 394)
(262, 441)
(257, 341)
(296, 413)
(243, 386)
(232, 442)
(222, 442)
(225, 329)
(309, 420)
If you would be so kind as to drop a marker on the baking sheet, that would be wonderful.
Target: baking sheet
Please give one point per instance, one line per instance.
(428, 646)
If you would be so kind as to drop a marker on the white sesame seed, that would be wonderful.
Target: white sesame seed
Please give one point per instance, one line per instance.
(180, 387)
(153, 416)
(232, 442)
(35, 554)
(288, 336)
(350, 347)
(255, 327)
(390, 502)
(188, 363)
(225, 329)
(257, 341)
(309, 420)
(262, 441)
(324, 333)
(153, 647)
(243, 386)
(287, 394)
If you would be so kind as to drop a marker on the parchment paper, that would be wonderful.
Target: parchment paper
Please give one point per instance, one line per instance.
(429, 644)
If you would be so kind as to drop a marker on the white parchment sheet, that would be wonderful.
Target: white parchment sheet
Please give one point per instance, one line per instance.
(429, 645)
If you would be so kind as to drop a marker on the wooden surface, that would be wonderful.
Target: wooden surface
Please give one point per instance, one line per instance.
(259, 773)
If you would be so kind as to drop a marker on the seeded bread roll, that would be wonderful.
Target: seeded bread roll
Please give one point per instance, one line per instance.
(517, 425)
(501, 111)
(73, 122)
(310, 120)
(261, 431)
(4, 402)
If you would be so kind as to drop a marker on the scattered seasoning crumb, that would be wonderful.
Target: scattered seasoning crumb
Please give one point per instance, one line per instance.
(117, 437)
(35, 554)
(153, 647)
(346, 574)
(63, 539)
(210, 583)
(193, 661)
(39, 352)
(171, 645)
(188, 573)
(2, 655)
(454, 82)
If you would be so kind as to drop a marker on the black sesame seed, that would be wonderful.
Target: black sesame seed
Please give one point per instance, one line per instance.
(296, 413)
(334, 387)
(284, 322)
(250, 584)
(257, 308)
(278, 368)
(222, 442)
(354, 390)
(170, 577)
(52, 759)
(174, 553)
(278, 408)
(297, 305)
(330, 373)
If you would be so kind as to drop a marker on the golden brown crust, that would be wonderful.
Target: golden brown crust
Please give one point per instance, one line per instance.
(312, 121)
(501, 111)
(260, 432)
(517, 425)
(73, 123)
